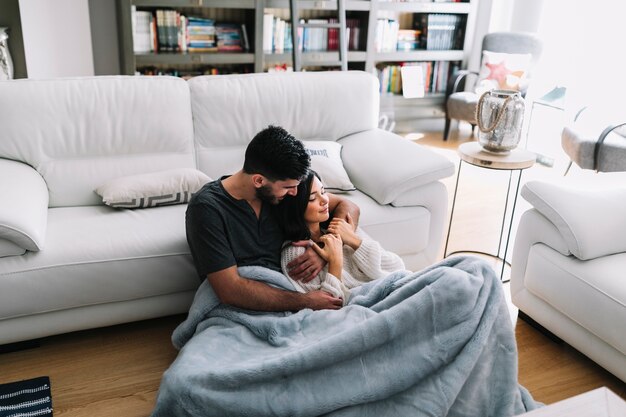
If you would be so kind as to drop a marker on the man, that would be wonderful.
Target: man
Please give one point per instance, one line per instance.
(229, 224)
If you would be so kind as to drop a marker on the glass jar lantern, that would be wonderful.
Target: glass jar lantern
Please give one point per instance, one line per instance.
(499, 116)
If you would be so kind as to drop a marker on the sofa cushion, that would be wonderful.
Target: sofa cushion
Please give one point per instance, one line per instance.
(591, 293)
(384, 165)
(592, 222)
(402, 230)
(163, 188)
(109, 127)
(98, 255)
(229, 110)
(502, 71)
(326, 161)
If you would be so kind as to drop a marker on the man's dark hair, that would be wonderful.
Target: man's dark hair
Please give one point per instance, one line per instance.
(276, 155)
(291, 210)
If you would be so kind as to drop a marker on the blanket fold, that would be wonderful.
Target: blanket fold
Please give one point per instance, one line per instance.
(438, 342)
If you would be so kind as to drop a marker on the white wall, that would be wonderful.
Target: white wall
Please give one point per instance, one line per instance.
(57, 38)
(526, 15)
(584, 51)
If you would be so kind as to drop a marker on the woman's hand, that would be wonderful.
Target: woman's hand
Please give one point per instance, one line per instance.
(346, 229)
(331, 252)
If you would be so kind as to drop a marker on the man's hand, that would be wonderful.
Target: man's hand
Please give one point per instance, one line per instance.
(306, 266)
(321, 300)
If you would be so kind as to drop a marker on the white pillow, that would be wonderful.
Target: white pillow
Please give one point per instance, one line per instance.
(502, 71)
(174, 186)
(592, 222)
(326, 161)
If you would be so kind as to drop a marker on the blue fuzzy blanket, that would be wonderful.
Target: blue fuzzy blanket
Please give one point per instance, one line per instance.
(438, 342)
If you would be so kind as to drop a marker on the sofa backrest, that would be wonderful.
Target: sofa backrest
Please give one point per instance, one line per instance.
(79, 133)
(229, 110)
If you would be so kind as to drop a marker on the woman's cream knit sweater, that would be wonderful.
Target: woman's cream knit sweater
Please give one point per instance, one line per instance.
(369, 262)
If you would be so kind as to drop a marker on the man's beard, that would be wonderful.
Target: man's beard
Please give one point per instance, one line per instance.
(264, 193)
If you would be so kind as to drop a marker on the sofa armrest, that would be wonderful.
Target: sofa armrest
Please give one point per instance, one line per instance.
(24, 208)
(592, 222)
(384, 165)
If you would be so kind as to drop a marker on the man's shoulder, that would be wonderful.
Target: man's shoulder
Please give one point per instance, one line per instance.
(207, 194)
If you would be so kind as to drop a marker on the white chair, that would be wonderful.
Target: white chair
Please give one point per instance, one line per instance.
(461, 105)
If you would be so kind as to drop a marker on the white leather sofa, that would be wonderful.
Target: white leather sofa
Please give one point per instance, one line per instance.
(68, 262)
(568, 271)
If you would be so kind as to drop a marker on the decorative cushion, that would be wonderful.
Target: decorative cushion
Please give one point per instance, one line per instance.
(502, 71)
(326, 161)
(592, 222)
(162, 188)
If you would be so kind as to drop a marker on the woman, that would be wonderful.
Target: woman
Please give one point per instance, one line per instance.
(352, 257)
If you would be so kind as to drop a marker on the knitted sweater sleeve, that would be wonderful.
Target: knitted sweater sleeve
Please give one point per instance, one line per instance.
(323, 281)
(370, 261)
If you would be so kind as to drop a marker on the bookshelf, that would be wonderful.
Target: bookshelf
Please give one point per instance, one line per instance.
(366, 54)
(245, 15)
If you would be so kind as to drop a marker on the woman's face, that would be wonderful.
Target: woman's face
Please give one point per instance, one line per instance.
(317, 209)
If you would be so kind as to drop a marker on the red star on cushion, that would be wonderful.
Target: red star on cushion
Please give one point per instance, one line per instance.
(499, 72)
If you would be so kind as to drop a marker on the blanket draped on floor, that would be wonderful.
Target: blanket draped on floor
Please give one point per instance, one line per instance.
(438, 342)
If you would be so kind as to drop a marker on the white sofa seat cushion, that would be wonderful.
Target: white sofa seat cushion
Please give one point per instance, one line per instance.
(591, 293)
(592, 222)
(384, 165)
(402, 230)
(24, 207)
(99, 255)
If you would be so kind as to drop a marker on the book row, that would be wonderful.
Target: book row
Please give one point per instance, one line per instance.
(186, 74)
(164, 30)
(277, 35)
(440, 31)
(436, 74)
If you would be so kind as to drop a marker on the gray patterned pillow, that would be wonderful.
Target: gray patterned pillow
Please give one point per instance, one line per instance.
(162, 188)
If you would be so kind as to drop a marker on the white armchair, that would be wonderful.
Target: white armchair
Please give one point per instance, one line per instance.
(568, 268)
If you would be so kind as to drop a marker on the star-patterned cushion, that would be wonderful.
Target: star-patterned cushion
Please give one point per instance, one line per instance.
(502, 71)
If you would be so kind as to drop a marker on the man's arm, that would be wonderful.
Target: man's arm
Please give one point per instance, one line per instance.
(234, 290)
(341, 206)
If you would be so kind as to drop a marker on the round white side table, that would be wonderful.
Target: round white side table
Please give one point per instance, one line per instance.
(516, 160)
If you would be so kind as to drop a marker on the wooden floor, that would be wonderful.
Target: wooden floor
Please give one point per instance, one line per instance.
(116, 371)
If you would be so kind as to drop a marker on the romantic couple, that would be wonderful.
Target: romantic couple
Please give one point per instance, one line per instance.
(436, 342)
(272, 213)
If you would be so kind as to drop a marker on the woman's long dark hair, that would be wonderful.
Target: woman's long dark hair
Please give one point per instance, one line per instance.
(291, 210)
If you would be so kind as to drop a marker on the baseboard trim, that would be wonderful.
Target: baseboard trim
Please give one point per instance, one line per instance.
(539, 327)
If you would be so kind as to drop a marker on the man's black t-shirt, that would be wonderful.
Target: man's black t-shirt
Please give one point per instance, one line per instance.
(223, 231)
